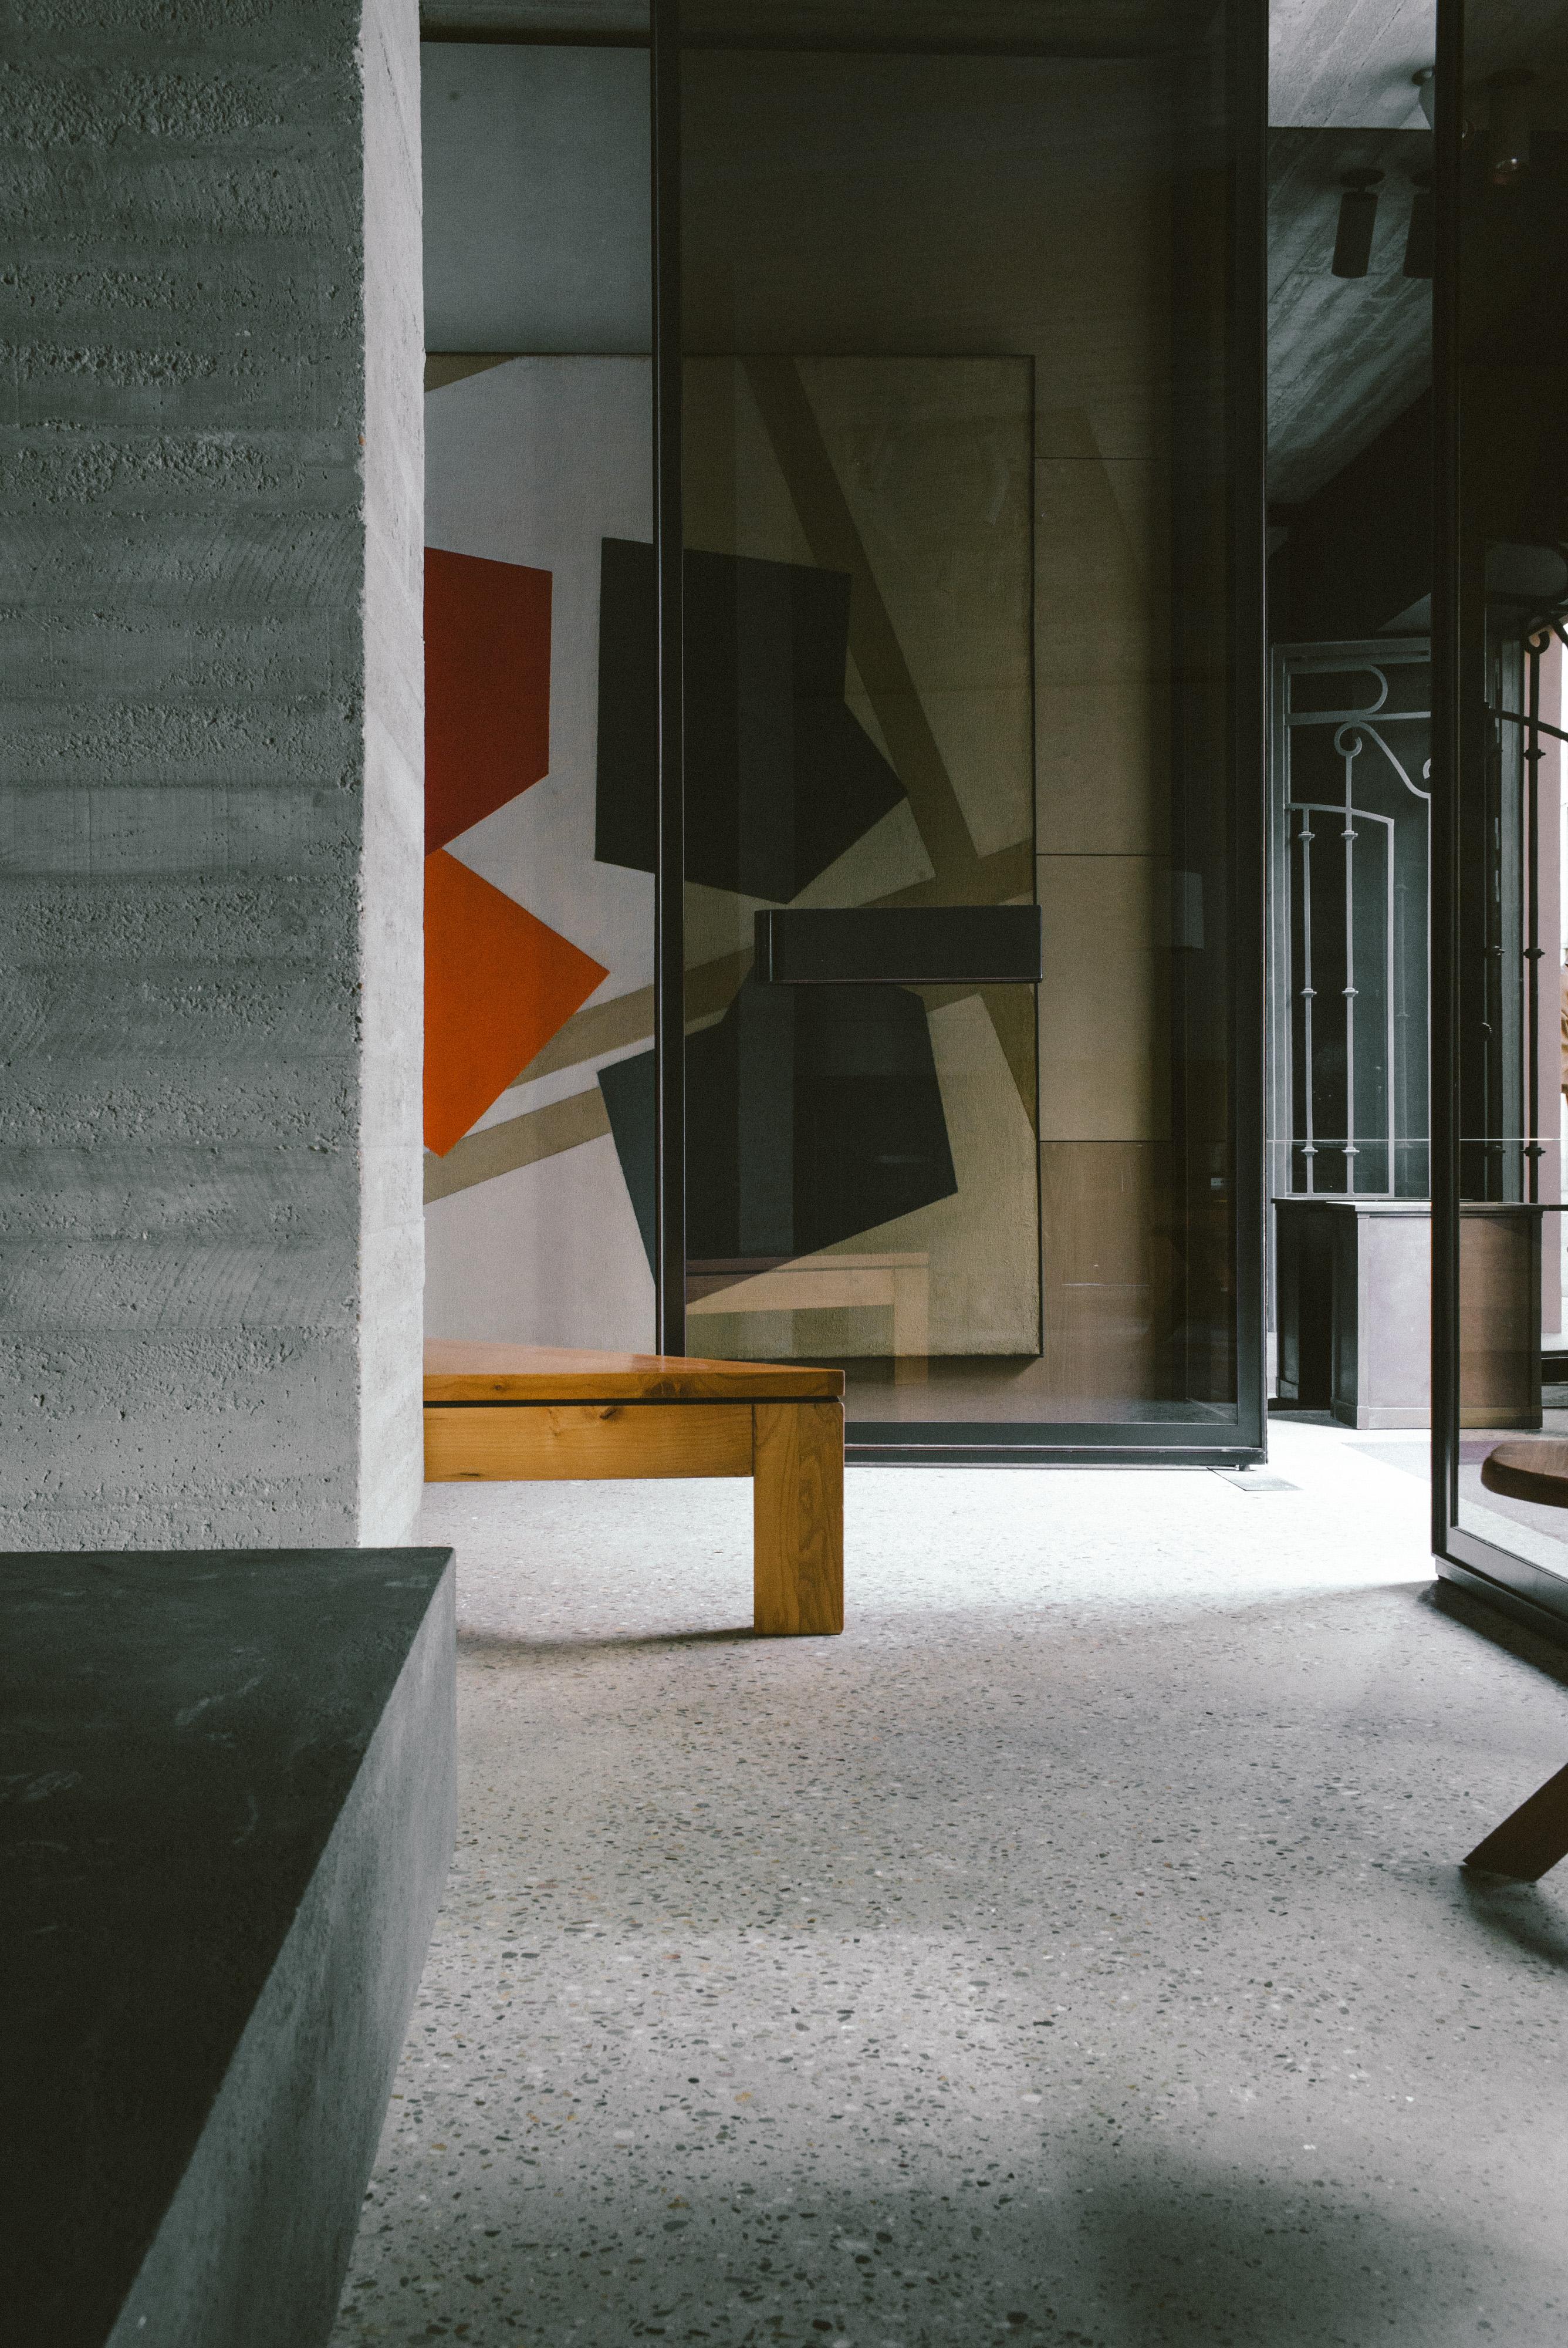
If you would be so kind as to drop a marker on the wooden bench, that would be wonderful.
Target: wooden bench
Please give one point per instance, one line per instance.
(533, 1414)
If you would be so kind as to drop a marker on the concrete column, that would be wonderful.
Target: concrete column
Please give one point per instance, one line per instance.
(210, 748)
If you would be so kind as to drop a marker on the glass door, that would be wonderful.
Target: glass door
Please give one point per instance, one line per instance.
(969, 471)
(1501, 1419)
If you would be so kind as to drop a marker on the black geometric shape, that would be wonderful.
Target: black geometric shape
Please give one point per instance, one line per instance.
(898, 946)
(810, 1116)
(781, 778)
(626, 1088)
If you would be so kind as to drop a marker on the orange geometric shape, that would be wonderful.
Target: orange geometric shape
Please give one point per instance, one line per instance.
(497, 985)
(486, 687)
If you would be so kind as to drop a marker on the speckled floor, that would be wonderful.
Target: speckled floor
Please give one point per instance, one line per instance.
(1072, 1952)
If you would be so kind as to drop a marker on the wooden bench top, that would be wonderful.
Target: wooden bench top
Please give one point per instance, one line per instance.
(458, 1370)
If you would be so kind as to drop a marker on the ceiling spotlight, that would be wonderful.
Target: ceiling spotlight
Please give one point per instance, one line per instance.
(1420, 242)
(1357, 217)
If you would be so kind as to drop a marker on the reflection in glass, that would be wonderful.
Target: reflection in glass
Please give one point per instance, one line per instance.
(538, 936)
(1512, 608)
(958, 423)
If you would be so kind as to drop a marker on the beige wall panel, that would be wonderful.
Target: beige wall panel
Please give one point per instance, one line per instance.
(1100, 553)
(1102, 1048)
(1105, 1277)
(1101, 756)
(1101, 723)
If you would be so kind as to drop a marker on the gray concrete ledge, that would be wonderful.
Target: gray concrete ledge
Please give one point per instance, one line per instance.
(227, 1793)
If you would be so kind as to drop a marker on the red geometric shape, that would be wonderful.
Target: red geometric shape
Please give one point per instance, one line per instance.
(486, 687)
(497, 985)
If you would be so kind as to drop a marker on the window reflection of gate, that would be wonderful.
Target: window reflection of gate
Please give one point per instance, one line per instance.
(1352, 823)
(1510, 1130)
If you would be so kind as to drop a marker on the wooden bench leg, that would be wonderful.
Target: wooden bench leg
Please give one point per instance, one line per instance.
(797, 1497)
(1532, 1839)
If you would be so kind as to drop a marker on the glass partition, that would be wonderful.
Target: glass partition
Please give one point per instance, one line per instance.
(1501, 1469)
(970, 473)
(539, 464)
(845, 676)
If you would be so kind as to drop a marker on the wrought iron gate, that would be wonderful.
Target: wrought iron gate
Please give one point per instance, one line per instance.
(1351, 821)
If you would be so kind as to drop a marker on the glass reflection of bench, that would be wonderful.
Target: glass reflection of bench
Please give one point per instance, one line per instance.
(823, 1283)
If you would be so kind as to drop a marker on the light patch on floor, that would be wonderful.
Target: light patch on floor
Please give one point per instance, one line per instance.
(1072, 1952)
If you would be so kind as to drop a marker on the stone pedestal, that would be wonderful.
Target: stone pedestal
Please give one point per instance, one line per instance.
(228, 1787)
(1353, 1287)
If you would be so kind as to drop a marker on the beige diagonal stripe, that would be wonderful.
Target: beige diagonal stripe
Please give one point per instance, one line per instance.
(442, 367)
(521, 1141)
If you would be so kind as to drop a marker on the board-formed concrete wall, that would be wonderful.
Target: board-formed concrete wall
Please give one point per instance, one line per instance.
(211, 749)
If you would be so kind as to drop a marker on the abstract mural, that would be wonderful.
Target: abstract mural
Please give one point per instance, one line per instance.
(530, 1227)
(860, 732)
(498, 982)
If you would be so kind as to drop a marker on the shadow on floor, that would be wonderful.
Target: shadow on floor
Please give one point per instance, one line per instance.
(1135, 2251)
(593, 1642)
(1215, 2255)
(1520, 1913)
(1489, 1622)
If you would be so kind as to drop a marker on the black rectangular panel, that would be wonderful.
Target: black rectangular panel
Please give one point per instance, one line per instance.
(971, 946)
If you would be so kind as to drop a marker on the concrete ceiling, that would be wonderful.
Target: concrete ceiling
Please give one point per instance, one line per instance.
(1065, 27)
(1348, 63)
(1346, 355)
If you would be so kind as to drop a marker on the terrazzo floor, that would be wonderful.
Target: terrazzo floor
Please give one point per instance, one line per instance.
(1072, 1952)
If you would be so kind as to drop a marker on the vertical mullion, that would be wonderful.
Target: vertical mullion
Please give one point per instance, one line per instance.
(1308, 992)
(1444, 1069)
(668, 866)
(1530, 1186)
(1349, 835)
(1246, 40)
(1390, 1038)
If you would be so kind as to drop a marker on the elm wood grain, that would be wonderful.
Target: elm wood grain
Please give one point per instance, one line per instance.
(528, 1443)
(1531, 1839)
(457, 1370)
(798, 1519)
(526, 1414)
